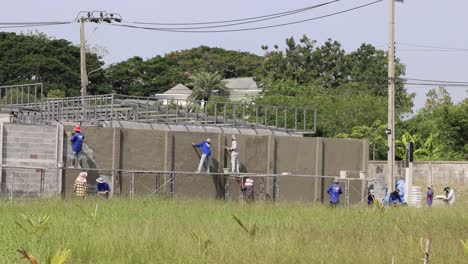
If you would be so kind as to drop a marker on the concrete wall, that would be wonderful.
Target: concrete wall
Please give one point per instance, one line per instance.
(139, 149)
(427, 172)
(30, 146)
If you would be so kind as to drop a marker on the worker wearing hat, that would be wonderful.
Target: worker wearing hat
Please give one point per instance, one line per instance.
(334, 190)
(76, 140)
(102, 187)
(206, 154)
(234, 149)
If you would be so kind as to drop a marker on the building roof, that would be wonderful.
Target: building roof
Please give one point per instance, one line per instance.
(179, 91)
(244, 83)
(242, 88)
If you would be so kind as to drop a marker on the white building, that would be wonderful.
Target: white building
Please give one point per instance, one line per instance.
(178, 94)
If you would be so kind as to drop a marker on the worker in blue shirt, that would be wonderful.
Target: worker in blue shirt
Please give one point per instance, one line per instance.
(206, 154)
(76, 140)
(395, 198)
(334, 191)
(102, 188)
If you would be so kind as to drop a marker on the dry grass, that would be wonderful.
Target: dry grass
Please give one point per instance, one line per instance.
(178, 231)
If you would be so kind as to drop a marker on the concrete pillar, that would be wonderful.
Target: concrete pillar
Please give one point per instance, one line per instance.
(364, 167)
(319, 182)
(169, 158)
(116, 180)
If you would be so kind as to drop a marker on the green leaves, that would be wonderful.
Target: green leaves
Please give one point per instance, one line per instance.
(206, 84)
(32, 227)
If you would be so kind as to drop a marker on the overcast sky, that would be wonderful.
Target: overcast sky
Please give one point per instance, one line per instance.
(418, 22)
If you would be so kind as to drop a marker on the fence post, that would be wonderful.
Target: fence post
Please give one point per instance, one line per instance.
(132, 186)
(172, 184)
(276, 189)
(226, 187)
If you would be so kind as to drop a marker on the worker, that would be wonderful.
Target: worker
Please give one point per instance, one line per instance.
(429, 196)
(400, 185)
(395, 198)
(76, 139)
(80, 188)
(234, 149)
(334, 190)
(248, 190)
(449, 195)
(206, 154)
(102, 188)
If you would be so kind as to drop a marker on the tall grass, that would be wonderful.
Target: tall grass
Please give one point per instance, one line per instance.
(180, 231)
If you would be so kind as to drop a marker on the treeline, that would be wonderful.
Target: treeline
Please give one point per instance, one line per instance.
(348, 89)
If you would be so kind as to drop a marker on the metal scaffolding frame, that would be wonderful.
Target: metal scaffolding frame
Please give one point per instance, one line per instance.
(169, 181)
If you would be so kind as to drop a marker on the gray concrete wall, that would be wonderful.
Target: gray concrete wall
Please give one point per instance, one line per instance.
(427, 172)
(137, 149)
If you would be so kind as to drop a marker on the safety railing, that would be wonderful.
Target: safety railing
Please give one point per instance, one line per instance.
(113, 107)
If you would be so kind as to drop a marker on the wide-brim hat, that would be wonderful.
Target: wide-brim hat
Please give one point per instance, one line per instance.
(248, 182)
(429, 186)
(233, 136)
(208, 140)
(100, 180)
(336, 181)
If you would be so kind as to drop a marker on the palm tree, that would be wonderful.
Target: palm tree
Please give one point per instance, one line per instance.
(205, 84)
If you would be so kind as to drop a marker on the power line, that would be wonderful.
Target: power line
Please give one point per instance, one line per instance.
(246, 20)
(252, 28)
(253, 21)
(34, 25)
(430, 47)
(434, 81)
(438, 84)
(431, 50)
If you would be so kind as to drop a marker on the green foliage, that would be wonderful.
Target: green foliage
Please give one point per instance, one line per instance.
(252, 231)
(56, 93)
(376, 136)
(206, 84)
(136, 76)
(39, 58)
(349, 90)
(159, 231)
(441, 128)
(33, 228)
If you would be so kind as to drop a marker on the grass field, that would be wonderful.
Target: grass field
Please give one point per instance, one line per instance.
(179, 231)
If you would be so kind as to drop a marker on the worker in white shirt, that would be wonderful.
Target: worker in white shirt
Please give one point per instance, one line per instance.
(449, 195)
(234, 149)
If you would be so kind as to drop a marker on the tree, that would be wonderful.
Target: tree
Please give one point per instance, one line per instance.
(437, 98)
(375, 134)
(38, 58)
(206, 84)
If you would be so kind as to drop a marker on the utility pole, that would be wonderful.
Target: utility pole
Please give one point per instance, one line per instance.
(83, 74)
(101, 16)
(391, 100)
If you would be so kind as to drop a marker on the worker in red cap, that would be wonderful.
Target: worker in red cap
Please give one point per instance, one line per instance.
(76, 140)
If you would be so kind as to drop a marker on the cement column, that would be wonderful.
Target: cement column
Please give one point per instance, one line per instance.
(271, 159)
(116, 158)
(364, 167)
(319, 182)
(168, 156)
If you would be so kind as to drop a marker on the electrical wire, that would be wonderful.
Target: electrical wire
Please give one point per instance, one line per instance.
(252, 28)
(438, 84)
(246, 20)
(433, 81)
(251, 21)
(430, 47)
(35, 25)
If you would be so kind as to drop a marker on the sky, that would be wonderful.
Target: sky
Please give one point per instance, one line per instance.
(417, 23)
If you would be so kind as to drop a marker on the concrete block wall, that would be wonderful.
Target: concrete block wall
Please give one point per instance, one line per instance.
(452, 173)
(30, 146)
